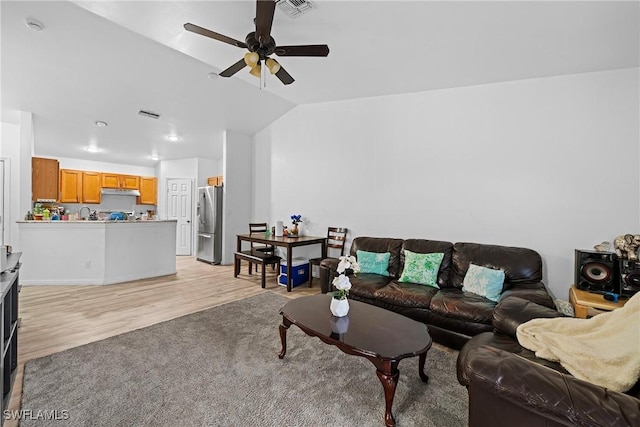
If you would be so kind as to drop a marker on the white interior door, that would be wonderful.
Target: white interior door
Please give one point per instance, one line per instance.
(179, 206)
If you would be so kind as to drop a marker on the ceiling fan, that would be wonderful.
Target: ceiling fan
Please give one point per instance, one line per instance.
(260, 45)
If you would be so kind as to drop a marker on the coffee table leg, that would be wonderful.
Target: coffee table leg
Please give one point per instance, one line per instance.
(389, 382)
(421, 359)
(283, 336)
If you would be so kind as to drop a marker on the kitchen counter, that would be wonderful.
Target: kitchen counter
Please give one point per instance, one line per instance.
(96, 252)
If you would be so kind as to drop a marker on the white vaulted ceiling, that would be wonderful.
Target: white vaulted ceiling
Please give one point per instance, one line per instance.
(106, 60)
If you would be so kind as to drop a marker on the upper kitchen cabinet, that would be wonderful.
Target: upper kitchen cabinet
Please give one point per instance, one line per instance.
(91, 187)
(80, 186)
(215, 181)
(44, 179)
(148, 191)
(124, 182)
(70, 186)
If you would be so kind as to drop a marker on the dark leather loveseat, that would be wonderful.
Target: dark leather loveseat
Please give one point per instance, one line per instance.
(509, 386)
(453, 316)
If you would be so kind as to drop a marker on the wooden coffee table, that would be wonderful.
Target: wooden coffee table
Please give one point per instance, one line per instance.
(379, 335)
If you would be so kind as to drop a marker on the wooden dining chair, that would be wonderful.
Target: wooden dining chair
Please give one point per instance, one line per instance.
(260, 228)
(336, 239)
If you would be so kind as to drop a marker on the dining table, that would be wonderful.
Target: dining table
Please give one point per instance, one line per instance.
(288, 242)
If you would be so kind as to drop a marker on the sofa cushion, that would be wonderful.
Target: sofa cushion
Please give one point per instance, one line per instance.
(366, 284)
(406, 294)
(373, 262)
(520, 265)
(483, 281)
(424, 246)
(380, 245)
(459, 305)
(421, 268)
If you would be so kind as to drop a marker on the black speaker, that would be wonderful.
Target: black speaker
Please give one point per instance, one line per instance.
(595, 271)
(629, 276)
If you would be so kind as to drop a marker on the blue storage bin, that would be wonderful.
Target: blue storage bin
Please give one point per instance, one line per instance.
(299, 272)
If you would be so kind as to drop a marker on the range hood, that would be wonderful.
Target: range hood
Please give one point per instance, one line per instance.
(117, 192)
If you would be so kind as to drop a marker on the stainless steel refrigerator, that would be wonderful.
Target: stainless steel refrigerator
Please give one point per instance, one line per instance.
(209, 213)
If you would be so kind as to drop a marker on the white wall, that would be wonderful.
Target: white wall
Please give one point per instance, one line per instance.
(16, 148)
(238, 177)
(550, 164)
(88, 165)
(206, 169)
(10, 153)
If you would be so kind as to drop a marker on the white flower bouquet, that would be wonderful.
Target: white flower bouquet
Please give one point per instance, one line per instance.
(342, 282)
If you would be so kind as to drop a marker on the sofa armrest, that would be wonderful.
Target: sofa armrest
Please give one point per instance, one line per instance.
(328, 270)
(513, 311)
(535, 292)
(527, 391)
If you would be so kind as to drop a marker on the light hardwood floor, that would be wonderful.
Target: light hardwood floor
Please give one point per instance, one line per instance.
(56, 318)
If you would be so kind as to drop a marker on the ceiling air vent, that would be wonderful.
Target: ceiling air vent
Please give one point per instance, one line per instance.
(149, 114)
(294, 8)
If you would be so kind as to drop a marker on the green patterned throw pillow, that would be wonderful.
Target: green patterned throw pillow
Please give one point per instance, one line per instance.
(373, 262)
(484, 281)
(421, 268)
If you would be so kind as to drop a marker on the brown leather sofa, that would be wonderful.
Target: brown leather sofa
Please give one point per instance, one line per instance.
(509, 386)
(453, 316)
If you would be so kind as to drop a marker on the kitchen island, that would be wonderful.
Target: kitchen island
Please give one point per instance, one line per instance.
(96, 252)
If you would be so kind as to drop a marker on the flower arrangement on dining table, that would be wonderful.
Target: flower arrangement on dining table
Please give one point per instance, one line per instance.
(295, 220)
(342, 282)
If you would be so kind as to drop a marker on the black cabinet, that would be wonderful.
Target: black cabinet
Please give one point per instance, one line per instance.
(9, 288)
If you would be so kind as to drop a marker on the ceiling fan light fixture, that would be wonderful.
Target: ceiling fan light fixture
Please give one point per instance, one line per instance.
(251, 59)
(255, 71)
(272, 65)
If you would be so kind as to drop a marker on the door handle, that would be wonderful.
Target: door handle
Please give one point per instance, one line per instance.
(188, 221)
(204, 235)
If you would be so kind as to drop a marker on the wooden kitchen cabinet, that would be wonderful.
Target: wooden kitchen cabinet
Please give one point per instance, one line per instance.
(91, 187)
(123, 182)
(110, 180)
(70, 186)
(44, 178)
(148, 191)
(215, 180)
(130, 182)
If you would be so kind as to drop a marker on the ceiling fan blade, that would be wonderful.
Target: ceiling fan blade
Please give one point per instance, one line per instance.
(284, 76)
(233, 69)
(213, 35)
(304, 50)
(264, 19)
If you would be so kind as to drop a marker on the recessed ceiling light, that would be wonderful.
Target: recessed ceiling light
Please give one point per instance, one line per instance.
(34, 24)
(93, 149)
(173, 138)
(213, 76)
(101, 124)
(155, 157)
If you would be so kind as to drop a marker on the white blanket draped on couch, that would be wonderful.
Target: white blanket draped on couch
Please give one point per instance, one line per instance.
(603, 350)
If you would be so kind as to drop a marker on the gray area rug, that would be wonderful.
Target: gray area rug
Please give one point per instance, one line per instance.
(219, 367)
